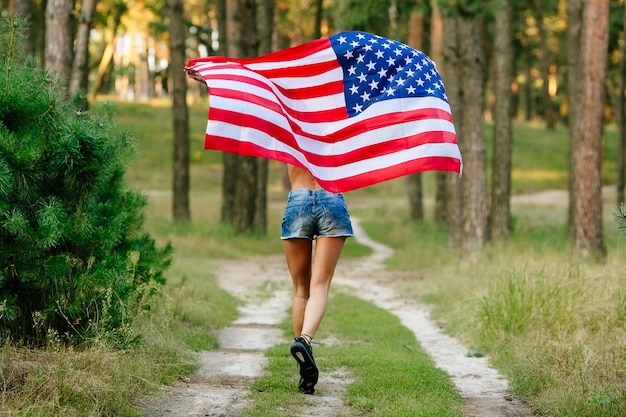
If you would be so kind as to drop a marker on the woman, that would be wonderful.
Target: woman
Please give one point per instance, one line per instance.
(312, 215)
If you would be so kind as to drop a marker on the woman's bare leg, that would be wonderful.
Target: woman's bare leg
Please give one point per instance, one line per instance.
(311, 282)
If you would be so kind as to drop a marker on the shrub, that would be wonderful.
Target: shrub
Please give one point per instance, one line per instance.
(74, 261)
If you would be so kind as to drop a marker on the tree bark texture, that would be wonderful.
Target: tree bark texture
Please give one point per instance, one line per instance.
(451, 76)
(59, 39)
(436, 53)
(24, 9)
(474, 186)
(586, 234)
(620, 112)
(413, 182)
(574, 84)
(79, 81)
(502, 136)
(177, 38)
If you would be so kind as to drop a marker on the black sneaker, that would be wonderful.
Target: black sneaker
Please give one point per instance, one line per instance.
(309, 374)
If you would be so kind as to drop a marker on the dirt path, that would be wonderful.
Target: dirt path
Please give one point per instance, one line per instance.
(219, 388)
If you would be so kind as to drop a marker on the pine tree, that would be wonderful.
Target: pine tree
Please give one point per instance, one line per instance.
(74, 260)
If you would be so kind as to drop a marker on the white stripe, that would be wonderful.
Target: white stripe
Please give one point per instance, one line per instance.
(324, 129)
(260, 138)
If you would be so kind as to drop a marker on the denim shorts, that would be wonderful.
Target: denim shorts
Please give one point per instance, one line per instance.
(315, 213)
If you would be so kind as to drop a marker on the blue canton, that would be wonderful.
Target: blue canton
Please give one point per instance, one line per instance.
(377, 68)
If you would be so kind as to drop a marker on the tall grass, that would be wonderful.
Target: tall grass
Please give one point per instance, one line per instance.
(554, 325)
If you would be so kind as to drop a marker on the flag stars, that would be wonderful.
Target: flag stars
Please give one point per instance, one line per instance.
(376, 68)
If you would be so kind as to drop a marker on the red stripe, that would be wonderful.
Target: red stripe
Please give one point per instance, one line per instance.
(341, 185)
(221, 143)
(277, 132)
(286, 55)
(302, 71)
(431, 163)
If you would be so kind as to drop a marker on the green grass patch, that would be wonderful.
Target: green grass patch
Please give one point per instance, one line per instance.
(391, 375)
(553, 325)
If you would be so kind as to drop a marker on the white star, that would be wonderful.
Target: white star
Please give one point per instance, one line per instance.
(391, 61)
(348, 54)
(382, 72)
(373, 85)
(390, 91)
(380, 54)
(386, 45)
(410, 90)
(358, 108)
(362, 78)
(397, 52)
(427, 76)
(400, 81)
(410, 73)
(342, 39)
(371, 66)
(354, 89)
(420, 82)
(354, 44)
(365, 97)
(430, 91)
(360, 58)
(367, 47)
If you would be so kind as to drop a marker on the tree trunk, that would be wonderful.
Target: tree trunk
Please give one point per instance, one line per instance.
(586, 236)
(59, 40)
(452, 79)
(548, 107)
(80, 69)
(574, 74)
(24, 9)
(413, 182)
(179, 111)
(502, 136)
(621, 120)
(475, 202)
(265, 28)
(436, 53)
(249, 27)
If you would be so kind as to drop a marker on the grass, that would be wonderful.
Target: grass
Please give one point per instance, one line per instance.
(390, 373)
(555, 326)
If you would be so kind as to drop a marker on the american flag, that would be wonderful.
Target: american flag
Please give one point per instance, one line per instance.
(354, 109)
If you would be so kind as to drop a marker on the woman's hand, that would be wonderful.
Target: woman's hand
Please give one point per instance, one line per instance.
(195, 75)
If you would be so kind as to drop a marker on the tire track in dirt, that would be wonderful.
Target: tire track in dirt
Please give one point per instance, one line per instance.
(262, 285)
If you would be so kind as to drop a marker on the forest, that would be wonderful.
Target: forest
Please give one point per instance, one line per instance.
(79, 277)
(525, 60)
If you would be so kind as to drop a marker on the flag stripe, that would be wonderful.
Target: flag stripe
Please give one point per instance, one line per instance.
(354, 109)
